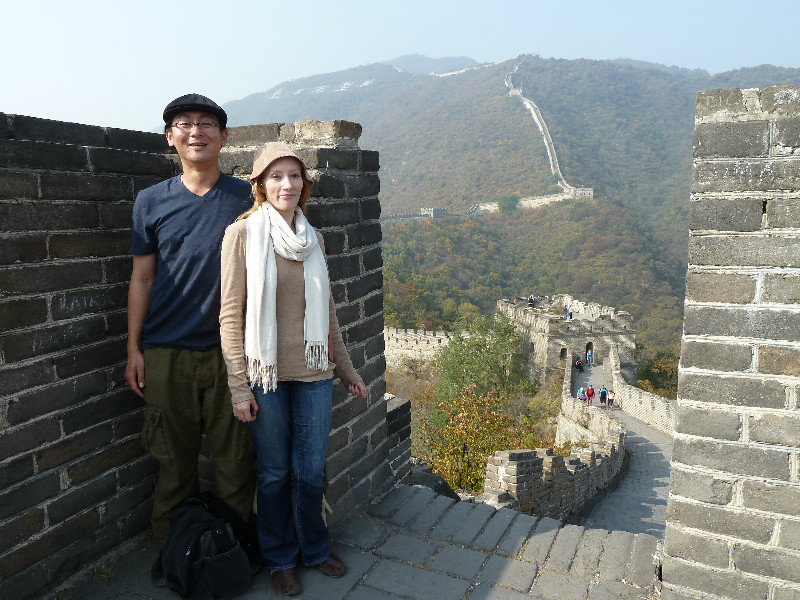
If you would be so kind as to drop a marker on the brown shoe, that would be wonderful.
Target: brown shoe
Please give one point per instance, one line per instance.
(286, 582)
(333, 566)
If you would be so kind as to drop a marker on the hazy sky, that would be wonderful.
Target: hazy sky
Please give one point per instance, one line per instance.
(118, 63)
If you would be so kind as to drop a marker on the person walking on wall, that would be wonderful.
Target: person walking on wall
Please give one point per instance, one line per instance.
(603, 393)
(589, 394)
(281, 342)
(174, 357)
(611, 399)
(589, 357)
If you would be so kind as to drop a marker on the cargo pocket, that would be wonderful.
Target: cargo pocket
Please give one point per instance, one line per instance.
(153, 439)
(246, 449)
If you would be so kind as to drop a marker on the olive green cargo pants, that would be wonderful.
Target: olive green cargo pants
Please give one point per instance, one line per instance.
(186, 393)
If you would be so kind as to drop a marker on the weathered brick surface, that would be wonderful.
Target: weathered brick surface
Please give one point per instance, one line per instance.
(742, 478)
(74, 480)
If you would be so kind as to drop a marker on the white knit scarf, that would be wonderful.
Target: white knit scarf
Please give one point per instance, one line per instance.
(268, 230)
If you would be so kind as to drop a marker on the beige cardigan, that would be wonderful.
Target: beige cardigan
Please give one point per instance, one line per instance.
(290, 309)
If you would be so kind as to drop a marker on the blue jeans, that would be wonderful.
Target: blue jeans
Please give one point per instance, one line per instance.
(290, 435)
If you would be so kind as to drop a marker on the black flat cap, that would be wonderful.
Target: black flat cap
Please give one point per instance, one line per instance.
(195, 102)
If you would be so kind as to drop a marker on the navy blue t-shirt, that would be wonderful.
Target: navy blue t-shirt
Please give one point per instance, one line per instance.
(185, 232)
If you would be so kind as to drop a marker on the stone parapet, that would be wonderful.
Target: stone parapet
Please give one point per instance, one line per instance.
(733, 527)
(74, 480)
(412, 344)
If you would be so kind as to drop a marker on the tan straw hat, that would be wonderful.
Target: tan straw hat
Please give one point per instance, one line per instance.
(268, 154)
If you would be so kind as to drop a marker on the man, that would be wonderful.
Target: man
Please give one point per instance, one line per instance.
(174, 357)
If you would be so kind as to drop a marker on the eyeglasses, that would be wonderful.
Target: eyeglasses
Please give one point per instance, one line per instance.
(186, 126)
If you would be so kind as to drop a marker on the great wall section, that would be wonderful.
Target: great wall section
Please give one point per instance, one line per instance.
(75, 482)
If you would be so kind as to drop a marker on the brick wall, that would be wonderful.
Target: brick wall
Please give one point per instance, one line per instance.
(398, 422)
(733, 518)
(655, 410)
(73, 479)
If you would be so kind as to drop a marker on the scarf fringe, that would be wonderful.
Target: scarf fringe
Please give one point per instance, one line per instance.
(265, 375)
(317, 356)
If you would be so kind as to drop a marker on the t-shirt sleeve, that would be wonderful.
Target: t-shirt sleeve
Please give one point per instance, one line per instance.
(143, 233)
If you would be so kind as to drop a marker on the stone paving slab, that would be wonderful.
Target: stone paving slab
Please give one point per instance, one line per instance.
(477, 518)
(509, 572)
(559, 586)
(517, 535)
(489, 592)
(616, 555)
(452, 520)
(541, 540)
(641, 567)
(564, 548)
(495, 528)
(461, 562)
(416, 583)
(411, 508)
(426, 520)
(406, 548)
(360, 530)
(587, 557)
(614, 590)
(392, 501)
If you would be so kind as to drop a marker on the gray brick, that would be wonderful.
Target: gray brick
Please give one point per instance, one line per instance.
(22, 313)
(329, 158)
(782, 593)
(616, 590)
(425, 520)
(78, 498)
(48, 130)
(79, 186)
(370, 160)
(720, 521)
(88, 301)
(416, 583)
(587, 556)
(17, 154)
(517, 535)
(115, 455)
(332, 214)
(776, 102)
(778, 360)
(495, 529)
(716, 356)
(327, 186)
(365, 185)
(783, 213)
(406, 548)
(363, 592)
(734, 391)
(488, 592)
(29, 436)
(412, 507)
(559, 586)
(36, 403)
(775, 429)
(27, 344)
(744, 176)
(720, 287)
(140, 141)
(509, 572)
(701, 486)
(18, 185)
(786, 136)
(452, 520)
(726, 214)
(728, 140)
(22, 248)
(762, 495)
(789, 536)
(29, 216)
(613, 563)
(564, 548)
(392, 501)
(717, 424)
(541, 540)
(733, 458)
(461, 562)
(783, 289)
(767, 562)
(723, 250)
(110, 160)
(85, 244)
(370, 208)
(697, 548)
(726, 103)
(363, 234)
(473, 524)
(22, 527)
(726, 584)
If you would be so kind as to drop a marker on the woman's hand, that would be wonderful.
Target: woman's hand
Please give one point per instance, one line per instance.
(246, 410)
(358, 389)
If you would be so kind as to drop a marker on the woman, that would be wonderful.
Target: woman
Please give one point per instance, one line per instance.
(280, 338)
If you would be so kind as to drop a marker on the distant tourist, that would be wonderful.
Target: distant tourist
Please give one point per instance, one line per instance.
(530, 301)
(589, 394)
(610, 398)
(603, 393)
(589, 357)
(582, 396)
(566, 313)
(579, 365)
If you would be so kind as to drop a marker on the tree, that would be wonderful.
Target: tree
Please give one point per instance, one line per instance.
(507, 203)
(488, 354)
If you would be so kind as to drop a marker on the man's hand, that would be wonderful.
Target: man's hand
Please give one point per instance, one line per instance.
(358, 389)
(246, 410)
(134, 372)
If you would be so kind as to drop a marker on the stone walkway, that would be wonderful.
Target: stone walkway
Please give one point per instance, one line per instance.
(639, 503)
(416, 545)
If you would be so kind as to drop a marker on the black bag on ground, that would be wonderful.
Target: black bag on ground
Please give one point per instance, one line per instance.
(210, 552)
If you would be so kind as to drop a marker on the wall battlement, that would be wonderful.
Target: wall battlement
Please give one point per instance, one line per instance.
(413, 344)
(74, 480)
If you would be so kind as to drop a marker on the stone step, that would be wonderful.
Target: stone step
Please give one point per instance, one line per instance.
(503, 553)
